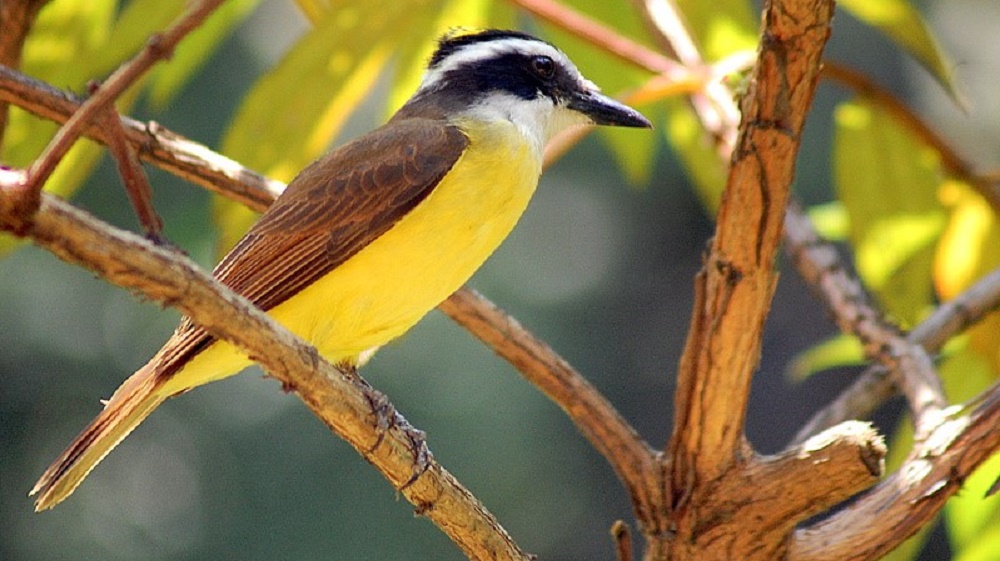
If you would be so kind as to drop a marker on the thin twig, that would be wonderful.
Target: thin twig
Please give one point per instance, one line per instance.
(820, 265)
(16, 20)
(954, 163)
(599, 35)
(714, 105)
(597, 419)
(133, 177)
(874, 386)
(155, 144)
(158, 47)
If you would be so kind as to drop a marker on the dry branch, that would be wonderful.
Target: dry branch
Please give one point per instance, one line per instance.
(734, 289)
(158, 47)
(874, 386)
(819, 263)
(909, 498)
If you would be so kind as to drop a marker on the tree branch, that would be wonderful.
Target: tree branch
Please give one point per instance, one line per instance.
(137, 187)
(596, 418)
(158, 47)
(820, 265)
(908, 499)
(734, 289)
(166, 150)
(352, 409)
(873, 386)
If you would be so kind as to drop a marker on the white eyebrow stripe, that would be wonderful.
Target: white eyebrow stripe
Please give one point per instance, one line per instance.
(487, 50)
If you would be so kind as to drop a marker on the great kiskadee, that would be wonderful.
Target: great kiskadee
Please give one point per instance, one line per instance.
(373, 235)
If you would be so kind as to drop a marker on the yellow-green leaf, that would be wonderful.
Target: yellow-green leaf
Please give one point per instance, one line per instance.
(837, 351)
(982, 547)
(722, 27)
(696, 149)
(297, 108)
(902, 23)
(888, 182)
(195, 49)
(831, 220)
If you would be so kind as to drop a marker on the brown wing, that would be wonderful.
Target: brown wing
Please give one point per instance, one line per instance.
(335, 207)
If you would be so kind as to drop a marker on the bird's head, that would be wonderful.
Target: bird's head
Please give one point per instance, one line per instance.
(510, 75)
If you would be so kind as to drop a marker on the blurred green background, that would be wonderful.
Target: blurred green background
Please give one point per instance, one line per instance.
(599, 269)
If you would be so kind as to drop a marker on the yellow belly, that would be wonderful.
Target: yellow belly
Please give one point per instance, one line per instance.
(384, 289)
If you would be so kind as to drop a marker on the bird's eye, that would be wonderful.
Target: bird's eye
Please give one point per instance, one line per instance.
(543, 66)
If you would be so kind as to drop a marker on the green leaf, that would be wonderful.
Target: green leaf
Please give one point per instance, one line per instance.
(902, 23)
(297, 108)
(196, 48)
(722, 27)
(888, 182)
(837, 351)
(831, 220)
(696, 149)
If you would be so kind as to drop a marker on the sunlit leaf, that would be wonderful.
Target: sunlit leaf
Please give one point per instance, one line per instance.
(902, 23)
(722, 27)
(888, 182)
(970, 514)
(298, 107)
(831, 220)
(196, 48)
(835, 352)
(969, 249)
(697, 150)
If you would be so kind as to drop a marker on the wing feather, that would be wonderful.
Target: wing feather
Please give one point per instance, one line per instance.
(334, 208)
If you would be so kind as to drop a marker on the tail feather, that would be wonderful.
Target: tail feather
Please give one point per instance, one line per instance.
(132, 403)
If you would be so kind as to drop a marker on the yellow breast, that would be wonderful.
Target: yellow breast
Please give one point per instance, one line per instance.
(384, 289)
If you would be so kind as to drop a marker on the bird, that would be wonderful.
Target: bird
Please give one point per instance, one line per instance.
(374, 234)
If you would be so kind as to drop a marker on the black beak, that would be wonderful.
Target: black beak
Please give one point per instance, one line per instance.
(603, 110)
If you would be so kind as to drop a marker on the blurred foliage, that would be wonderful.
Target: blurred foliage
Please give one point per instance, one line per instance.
(918, 235)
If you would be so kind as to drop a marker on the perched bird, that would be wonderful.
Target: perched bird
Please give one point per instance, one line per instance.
(373, 235)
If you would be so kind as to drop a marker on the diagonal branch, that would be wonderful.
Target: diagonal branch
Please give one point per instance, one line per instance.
(345, 403)
(596, 418)
(158, 47)
(910, 497)
(873, 386)
(819, 264)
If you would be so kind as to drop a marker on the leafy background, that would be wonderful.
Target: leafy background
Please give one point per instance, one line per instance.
(600, 267)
